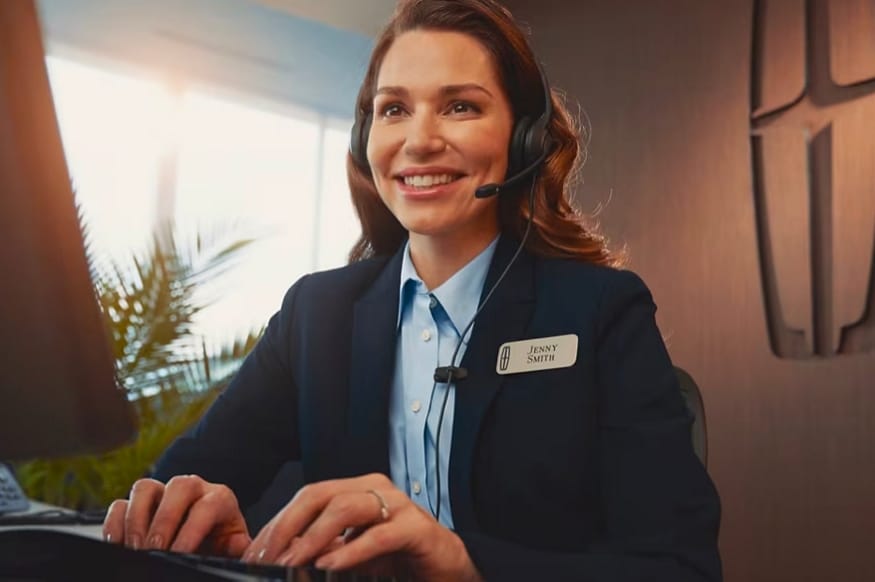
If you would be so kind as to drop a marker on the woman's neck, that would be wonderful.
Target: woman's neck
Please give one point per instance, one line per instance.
(437, 259)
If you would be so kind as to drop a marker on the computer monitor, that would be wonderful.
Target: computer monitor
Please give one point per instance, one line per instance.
(58, 392)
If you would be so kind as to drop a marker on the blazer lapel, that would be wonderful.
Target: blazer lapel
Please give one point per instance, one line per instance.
(504, 318)
(374, 333)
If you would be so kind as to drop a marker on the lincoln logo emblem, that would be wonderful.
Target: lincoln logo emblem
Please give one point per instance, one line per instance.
(813, 154)
(504, 360)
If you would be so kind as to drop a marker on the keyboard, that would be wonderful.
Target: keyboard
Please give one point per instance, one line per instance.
(42, 554)
(226, 566)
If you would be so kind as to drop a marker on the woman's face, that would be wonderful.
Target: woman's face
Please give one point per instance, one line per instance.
(442, 125)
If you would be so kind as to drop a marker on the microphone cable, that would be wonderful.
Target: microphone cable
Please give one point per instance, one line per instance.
(461, 373)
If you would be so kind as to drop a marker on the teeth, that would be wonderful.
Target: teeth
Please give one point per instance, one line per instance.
(426, 181)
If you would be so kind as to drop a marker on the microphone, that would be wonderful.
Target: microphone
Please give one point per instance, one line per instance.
(488, 190)
(444, 374)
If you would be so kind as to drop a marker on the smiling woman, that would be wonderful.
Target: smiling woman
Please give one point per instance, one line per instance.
(480, 393)
(441, 128)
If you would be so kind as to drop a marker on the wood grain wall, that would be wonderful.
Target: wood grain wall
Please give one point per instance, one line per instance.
(734, 145)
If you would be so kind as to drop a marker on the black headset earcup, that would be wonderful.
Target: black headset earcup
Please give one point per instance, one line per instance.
(358, 141)
(516, 155)
(536, 142)
(531, 140)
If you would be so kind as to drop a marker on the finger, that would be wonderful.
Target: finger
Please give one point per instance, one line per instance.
(216, 510)
(336, 543)
(274, 538)
(114, 522)
(180, 494)
(376, 541)
(345, 510)
(283, 558)
(300, 512)
(144, 498)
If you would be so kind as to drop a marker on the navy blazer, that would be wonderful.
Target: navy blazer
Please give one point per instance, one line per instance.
(581, 473)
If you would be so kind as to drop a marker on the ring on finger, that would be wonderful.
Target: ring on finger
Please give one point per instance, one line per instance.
(384, 507)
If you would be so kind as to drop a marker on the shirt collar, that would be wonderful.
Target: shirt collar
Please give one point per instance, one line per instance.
(459, 295)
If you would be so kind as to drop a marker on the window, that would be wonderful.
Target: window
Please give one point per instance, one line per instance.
(140, 152)
(112, 128)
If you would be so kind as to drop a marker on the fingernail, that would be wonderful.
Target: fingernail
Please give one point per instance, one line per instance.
(107, 537)
(325, 563)
(261, 554)
(135, 542)
(156, 542)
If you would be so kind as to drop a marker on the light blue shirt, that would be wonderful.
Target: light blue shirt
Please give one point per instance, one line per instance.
(430, 325)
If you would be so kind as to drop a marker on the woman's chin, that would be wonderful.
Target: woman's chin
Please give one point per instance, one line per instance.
(438, 224)
(426, 228)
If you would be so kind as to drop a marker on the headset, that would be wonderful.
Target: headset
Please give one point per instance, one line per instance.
(530, 144)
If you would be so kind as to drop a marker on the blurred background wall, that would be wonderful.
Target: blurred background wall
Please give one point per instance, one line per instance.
(733, 144)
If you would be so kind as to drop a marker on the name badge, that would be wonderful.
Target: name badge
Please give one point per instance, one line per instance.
(543, 353)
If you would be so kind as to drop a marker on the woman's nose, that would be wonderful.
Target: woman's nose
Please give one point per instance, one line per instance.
(424, 137)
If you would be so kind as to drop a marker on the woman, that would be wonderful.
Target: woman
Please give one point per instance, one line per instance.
(553, 440)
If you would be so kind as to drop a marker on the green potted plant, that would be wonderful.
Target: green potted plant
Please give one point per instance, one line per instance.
(149, 302)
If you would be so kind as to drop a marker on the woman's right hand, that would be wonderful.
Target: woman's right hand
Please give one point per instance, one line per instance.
(187, 514)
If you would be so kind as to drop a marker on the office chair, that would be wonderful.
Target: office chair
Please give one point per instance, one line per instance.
(693, 398)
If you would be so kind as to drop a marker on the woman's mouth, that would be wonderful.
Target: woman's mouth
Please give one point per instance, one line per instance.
(423, 182)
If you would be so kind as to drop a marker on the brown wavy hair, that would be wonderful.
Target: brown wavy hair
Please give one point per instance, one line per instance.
(558, 229)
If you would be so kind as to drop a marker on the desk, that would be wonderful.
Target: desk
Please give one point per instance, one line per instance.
(90, 531)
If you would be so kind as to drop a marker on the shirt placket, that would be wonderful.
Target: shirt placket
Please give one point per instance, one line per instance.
(423, 345)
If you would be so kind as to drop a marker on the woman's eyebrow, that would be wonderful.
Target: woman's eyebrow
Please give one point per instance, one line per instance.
(445, 91)
(451, 90)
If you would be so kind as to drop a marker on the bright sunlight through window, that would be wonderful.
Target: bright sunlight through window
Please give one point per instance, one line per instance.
(140, 153)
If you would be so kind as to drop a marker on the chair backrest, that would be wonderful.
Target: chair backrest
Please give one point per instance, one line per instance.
(693, 398)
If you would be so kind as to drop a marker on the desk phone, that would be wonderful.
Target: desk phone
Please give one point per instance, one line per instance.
(12, 498)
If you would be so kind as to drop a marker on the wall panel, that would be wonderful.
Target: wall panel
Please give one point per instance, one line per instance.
(733, 143)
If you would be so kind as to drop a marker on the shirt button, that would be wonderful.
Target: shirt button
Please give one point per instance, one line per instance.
(417, 488)
(416, 406)
(432, 301)
(426, 335)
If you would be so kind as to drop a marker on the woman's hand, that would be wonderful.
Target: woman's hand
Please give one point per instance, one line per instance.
(186, 515)
(394, 536)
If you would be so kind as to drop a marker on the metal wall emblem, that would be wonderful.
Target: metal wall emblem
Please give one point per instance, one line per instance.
(813, 147)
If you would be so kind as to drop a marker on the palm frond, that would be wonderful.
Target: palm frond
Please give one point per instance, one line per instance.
(150, 302)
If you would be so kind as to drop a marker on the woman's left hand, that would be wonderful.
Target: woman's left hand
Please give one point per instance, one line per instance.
(393, 533)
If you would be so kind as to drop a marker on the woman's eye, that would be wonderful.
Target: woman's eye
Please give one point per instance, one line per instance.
(391, 110)
(461, 107)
